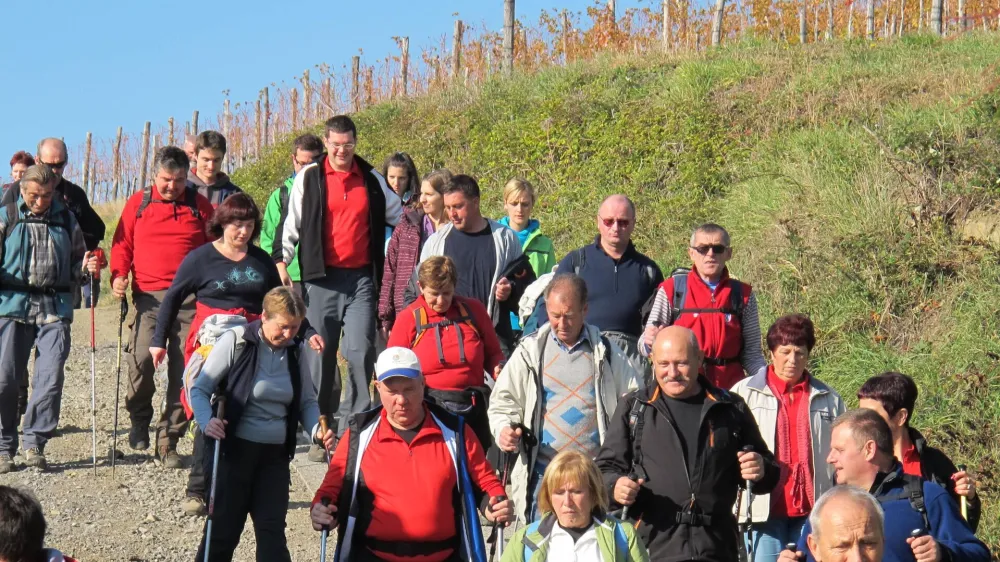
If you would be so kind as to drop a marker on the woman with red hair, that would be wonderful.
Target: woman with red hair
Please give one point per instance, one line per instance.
(794, 411)
(18, 165)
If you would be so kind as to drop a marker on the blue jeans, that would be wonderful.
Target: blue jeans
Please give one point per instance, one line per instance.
(770, 537)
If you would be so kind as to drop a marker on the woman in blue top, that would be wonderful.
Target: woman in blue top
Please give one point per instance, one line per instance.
(519, 201)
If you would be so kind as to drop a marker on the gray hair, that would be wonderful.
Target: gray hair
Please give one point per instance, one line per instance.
(855, 495)
(39, 174)
(171, 159)
(52, 140)
(571, 282)
(711, 228)
(867, 425)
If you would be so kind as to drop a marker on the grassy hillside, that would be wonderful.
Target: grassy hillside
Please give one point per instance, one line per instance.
(845, 173)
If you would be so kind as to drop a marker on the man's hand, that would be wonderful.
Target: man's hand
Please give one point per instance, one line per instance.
(925, 548)
(158, 354)
(503, 289)
(789, 556)
(496, 371)
(499, 511)
(964, 484)
(328, 440)
(751, 466)
(316, 343)
(322, 516)
(216, 428)
(118, 287)
(91, 263)
(510, 439)
(283, 274)
(626, 490)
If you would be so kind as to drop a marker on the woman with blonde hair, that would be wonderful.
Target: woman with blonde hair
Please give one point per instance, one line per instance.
(255, 369)
(575, 523)
(519, 202)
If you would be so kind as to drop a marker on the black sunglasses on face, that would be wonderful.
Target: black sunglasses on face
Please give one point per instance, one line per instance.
(716, 249)
(55, 165)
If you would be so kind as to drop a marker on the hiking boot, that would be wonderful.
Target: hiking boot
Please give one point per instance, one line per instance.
(170, 458)
(193, 506)
(138, 438)
(6, 463)
(34, 458)
(316, 454)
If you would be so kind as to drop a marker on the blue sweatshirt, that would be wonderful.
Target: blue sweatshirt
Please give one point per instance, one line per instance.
(616, 289)
(947, 526)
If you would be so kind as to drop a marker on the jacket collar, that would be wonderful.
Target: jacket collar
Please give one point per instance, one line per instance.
(885, 481)
(758, 382)
(712, 392)
(630, 252)
(918, 439)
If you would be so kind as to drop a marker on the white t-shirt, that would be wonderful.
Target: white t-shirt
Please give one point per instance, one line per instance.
(563, 549)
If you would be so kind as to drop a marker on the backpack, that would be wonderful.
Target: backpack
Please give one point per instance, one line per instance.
(210, 331)
(527, 307)
(464, 317)
(913, 489)
(190, 201)
(61, 219)
(621, 541)
(680, 277)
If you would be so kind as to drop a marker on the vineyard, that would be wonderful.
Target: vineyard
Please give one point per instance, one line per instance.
(110, 168)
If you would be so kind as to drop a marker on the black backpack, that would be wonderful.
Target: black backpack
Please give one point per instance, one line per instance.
(190, 201)
(680, 277)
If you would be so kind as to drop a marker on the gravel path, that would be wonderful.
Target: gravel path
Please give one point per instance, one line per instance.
(137, 516)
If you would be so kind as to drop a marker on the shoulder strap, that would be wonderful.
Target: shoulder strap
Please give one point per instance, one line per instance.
(147, 198)
(736, 299)
(283, 198)
(529, 546)
(621, 541)
(579, 259)
(636, 419)
(914, 490)
(13, 217)
(191, 201)
(420, 320)
(465, 317)
(679, 296)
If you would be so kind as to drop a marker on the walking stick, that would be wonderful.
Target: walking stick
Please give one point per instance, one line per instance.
(325, 534)
(220, 414)
(99, 254)
(963, 501)
(633, 477)
(118, 384)
(749, 531)
(324, 426)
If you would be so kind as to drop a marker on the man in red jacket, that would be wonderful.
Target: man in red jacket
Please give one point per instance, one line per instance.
(158, 227)
(392, 480)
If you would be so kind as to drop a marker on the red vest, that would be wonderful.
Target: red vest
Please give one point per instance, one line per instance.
(718, 329)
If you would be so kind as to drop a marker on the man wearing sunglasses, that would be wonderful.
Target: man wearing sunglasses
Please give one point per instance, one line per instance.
(720, 310)
(52, 152)
(620, 279)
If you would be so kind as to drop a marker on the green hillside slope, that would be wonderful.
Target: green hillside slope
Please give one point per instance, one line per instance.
(845, 172)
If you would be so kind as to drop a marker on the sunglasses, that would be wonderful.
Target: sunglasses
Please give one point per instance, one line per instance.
(55, 165)
(716, 249)
(622, 223)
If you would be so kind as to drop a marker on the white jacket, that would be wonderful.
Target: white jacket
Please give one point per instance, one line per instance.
(507, 246)
(516, 396)
(824, 407)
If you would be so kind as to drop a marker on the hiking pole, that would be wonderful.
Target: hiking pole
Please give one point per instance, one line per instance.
(324, 426)
(792, 547)
(220, 414)
(118, 384)
(93, 365)
(324, 534)
(963, 501)
(749, 449)
(635, 478)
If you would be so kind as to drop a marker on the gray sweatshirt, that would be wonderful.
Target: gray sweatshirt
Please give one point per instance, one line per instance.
(263, 419)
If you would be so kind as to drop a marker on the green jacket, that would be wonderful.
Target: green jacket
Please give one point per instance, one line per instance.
(617, 541)
(274, 215)
(541, 253)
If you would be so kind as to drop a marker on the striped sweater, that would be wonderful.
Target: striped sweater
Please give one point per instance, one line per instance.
(401, 259)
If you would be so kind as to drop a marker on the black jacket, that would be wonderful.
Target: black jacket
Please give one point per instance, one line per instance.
(76, 199)
(935, 466)
(312, 263)
(686, 517)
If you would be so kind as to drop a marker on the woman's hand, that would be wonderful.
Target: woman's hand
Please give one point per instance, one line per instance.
(499, 511)
(964, 484)
(316, 343)
(328, 440)
(322, 516)
(158, 354)
(216, 429)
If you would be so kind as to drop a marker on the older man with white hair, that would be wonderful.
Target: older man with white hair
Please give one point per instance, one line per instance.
(848, 524)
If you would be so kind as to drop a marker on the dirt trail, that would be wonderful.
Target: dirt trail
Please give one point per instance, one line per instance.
(137, 516)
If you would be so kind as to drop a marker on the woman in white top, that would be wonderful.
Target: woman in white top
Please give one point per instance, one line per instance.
(575, 525)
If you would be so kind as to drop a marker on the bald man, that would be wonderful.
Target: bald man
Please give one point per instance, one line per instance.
(848, 524)
(583, 377)
(190, 148)
(674, 454)
(620, 280)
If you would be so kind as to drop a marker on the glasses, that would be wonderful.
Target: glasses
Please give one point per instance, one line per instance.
(337, 147)
(56, 165)
(716, 249)
(622, 223)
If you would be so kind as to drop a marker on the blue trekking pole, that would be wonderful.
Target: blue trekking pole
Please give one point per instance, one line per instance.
(474, 533)
(324, 535)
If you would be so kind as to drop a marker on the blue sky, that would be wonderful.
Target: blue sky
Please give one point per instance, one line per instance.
(93, 65)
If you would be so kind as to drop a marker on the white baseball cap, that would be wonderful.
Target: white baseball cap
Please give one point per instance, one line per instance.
(397, 362)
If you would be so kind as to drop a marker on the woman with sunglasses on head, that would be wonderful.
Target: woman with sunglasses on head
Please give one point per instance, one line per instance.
(720, 310)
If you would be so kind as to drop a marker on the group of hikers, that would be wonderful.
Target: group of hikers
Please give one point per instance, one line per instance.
(606, 411)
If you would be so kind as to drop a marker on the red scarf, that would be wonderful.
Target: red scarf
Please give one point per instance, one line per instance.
(794, 495)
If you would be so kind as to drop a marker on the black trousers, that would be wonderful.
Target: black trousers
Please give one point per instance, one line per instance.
(252, 480)
(197, 485)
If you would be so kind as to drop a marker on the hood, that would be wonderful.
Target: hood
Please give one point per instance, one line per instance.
(221, 180)
(524, 235)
